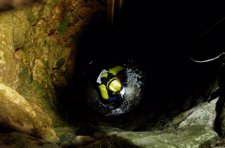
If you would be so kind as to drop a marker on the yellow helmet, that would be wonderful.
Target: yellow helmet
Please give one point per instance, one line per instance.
(114, 85)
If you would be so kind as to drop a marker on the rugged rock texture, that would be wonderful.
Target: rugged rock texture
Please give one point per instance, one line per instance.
(20, 140)
(190, 129)
(202, 114)
(21, 115)
(38, 45)
(192, 137)
(37, 52)
(9, 4)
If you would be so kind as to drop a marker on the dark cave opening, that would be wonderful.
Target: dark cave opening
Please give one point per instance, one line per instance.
(161, 38)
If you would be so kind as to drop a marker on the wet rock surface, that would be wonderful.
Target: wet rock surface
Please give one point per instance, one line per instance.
(21, 140)
(16, 113)
(39, 45)
(37, 53)
(179, 133)
(192, 128)
(202, 114)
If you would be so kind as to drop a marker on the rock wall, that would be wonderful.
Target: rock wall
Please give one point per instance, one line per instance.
(37, 54)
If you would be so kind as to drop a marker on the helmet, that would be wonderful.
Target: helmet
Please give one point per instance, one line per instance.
(114, 85)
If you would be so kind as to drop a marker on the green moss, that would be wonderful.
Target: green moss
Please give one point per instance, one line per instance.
(46, 64)
(24, 74)
(113, 142)
(39, 90)
(41, 95)
(60, 62)
(24, 83)
(32, 19)
(49, 7)
(191, 137)
(64, 25)
(44, 43)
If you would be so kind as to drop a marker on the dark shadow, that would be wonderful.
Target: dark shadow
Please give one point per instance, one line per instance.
(7, 5)
(161, 42)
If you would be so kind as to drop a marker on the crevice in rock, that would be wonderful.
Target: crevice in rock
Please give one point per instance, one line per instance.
(174, 85)
(167, 83)
(178, 97)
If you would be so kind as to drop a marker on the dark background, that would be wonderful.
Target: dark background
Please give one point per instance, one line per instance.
(161, 37)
